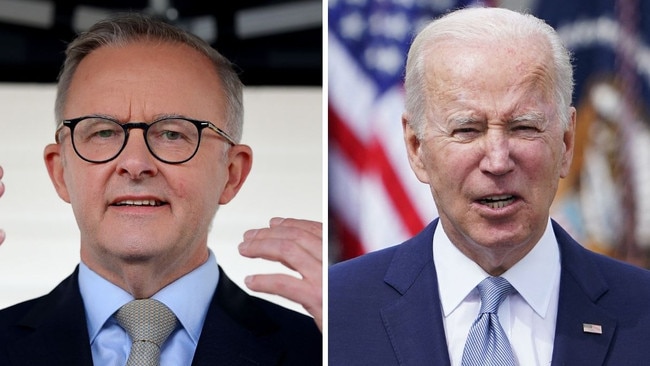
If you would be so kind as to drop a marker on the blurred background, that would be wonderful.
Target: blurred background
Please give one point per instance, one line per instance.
(375, 199)
(274, 42)
(277, 46)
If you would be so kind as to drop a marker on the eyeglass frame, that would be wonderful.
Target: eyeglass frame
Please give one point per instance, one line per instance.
(144, 126)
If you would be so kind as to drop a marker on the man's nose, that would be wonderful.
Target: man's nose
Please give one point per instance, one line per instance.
(497, 159)
(135, 159)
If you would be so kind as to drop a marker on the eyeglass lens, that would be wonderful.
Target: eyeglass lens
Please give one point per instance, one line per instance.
(171, 140)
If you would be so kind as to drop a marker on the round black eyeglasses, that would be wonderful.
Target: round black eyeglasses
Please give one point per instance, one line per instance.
(170, 140)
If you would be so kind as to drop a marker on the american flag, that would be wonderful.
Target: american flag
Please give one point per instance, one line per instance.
(374, 198)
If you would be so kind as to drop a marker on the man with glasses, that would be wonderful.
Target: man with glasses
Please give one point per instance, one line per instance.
(147, 148)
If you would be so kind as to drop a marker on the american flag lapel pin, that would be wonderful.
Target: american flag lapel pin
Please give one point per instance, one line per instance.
(592, 328)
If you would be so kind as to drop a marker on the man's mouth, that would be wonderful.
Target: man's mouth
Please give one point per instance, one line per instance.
(497, 201)
(152, 203)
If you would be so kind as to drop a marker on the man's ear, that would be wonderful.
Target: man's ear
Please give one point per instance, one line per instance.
(413, 149)
(54, 163)
(569, 144)
(240, 161)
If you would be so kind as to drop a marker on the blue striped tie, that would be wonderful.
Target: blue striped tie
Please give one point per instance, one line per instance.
(487, 343)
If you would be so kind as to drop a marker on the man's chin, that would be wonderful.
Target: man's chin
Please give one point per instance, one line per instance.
(134, 253)
(502, 235)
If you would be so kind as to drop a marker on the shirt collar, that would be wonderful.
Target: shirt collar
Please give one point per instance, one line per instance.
(102, 298)
(533, 276)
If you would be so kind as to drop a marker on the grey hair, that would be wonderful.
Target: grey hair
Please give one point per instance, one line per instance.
(480, 24)
(126, 28)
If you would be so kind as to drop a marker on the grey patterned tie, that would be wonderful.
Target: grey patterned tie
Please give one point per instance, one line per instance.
(148, 322)
(487, 343)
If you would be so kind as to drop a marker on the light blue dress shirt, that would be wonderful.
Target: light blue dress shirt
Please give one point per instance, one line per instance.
(188, 297)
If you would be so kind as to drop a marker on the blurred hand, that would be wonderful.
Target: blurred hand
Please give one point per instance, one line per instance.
(2, 190)
(298, 245)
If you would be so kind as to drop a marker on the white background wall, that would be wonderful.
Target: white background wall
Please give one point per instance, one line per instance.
(282, 125)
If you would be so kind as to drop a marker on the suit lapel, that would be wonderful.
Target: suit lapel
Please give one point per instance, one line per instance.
(581, 286)
(59, 335)
(236, 331)
(414, 321)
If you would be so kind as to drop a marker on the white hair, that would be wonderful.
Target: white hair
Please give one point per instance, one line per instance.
(483, 24)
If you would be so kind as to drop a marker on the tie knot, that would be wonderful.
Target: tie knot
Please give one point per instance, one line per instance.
(493, 291)
(146, 320)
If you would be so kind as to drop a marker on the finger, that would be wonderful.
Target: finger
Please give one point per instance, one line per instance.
(2, 185)
(294, 289)
(313, 227)
(282, 225)
(2, 236)
(302, 233)
(297, 234)
(287, 252)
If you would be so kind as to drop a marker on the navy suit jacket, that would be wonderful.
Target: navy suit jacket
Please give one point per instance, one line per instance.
(384, 308)
(239, 329)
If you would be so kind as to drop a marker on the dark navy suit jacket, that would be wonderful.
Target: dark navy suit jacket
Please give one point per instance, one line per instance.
(384, 308)
(239, 329)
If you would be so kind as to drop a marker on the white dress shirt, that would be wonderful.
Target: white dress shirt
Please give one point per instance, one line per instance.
(527, 317)
(188, 297)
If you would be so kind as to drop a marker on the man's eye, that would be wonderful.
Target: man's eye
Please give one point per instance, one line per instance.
(100, 134)
(525, 128)
(171, 135)
(105, 133)
(465, 132)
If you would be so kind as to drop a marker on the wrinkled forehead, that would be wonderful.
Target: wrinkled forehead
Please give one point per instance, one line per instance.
(522, 64)
(144, 79)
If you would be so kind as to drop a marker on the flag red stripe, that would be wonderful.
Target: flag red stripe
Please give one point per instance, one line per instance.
(396, 191)
(345, 139)
(352, 246)
(354, 151)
